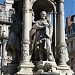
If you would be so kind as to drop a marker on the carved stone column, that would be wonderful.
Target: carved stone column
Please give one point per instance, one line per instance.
(25, 66)
(25, 32)
(61, 41)
(63, 68)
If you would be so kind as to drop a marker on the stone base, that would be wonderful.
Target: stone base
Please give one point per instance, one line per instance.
(25, 69)
(4, 69)
(64, 70)
(46, 73)
(12, 69)
(46, 66)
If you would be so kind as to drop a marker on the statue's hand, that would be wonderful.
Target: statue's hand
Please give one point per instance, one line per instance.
(46, 25)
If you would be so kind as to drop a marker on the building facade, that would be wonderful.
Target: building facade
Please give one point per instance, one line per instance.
(70, 32)
(6, 11)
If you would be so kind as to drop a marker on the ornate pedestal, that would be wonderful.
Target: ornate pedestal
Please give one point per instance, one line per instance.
(46, 68)
(47, 73)
(65, 70)
(25, 69)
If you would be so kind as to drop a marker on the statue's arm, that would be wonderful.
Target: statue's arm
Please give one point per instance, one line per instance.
(50, 31)
(37, 26)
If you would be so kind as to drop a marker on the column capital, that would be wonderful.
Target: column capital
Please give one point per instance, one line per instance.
(60, 1)
(25, 41)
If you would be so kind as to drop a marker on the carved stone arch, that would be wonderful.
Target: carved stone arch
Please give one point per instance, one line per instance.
(33, 1)
(41, 5)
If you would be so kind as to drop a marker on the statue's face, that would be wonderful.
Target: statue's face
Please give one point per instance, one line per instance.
(43, 14)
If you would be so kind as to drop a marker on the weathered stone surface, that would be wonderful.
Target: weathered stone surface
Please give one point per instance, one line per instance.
(25, 69)
(39, 43)
(63, 70)
(47, 73)
(12, 68)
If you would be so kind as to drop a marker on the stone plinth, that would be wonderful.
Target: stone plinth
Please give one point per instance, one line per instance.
(65, 70)
(25, 69)
(46, 68)
(47, 73)
(12, 69)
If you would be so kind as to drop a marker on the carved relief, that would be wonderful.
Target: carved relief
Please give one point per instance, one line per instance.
(14, 45)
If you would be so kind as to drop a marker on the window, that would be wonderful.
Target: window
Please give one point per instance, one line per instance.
(72, 62)
(67, 44)
(11, 11)
(0, 50)
(69, 31)
(0, 13)
(71, 44)
(0, 30)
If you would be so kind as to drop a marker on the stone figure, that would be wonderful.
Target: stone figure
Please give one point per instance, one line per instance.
(14, 41)
(42, 39)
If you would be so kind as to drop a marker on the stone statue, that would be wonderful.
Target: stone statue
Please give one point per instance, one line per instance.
(14, 46)
(42, 39)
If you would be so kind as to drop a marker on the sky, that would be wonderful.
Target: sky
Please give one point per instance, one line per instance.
(1, 1)
(69, 6)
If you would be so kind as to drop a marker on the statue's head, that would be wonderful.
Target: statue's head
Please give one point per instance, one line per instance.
(43, 14)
